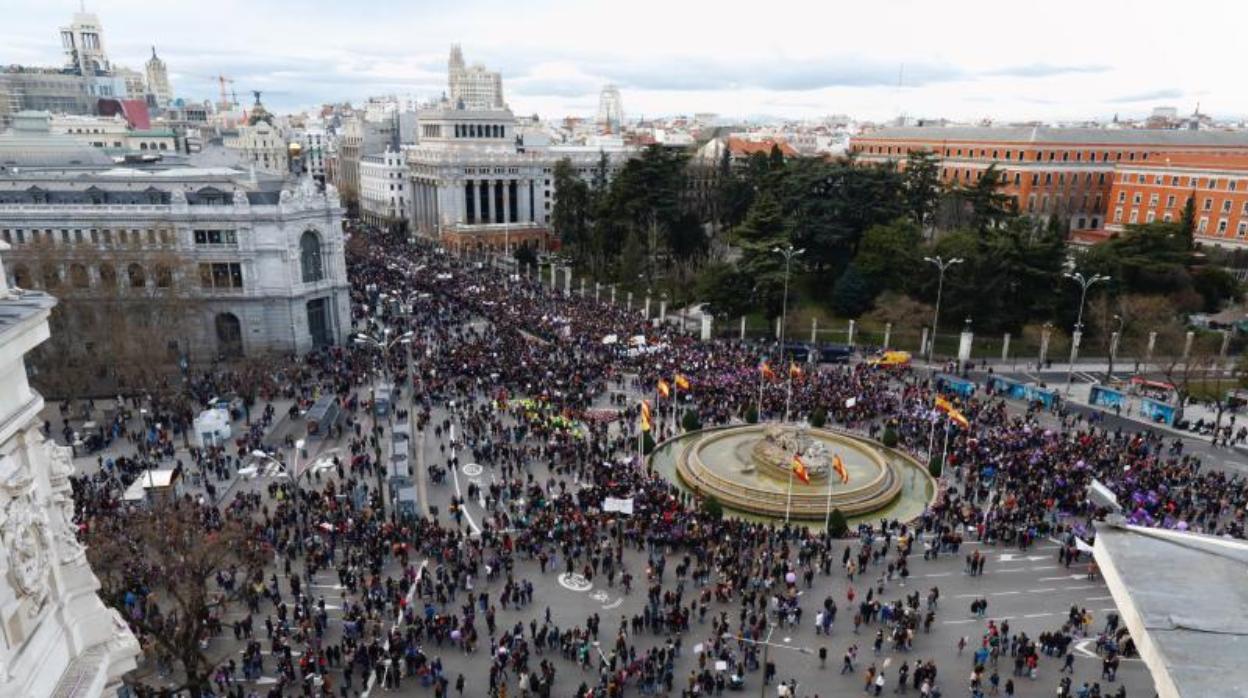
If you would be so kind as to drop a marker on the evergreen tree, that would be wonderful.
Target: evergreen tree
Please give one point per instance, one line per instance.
(762, 231)
(921, 186)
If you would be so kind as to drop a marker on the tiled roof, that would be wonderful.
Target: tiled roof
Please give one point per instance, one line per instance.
(1049, 135)
(742, 147)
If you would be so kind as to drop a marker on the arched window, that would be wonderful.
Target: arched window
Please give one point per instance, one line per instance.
(138, 277)
(78, 277)
(51, 276)
(164, 276)
(310, 257)
(229, 336)
(108, 276)
(21, 276)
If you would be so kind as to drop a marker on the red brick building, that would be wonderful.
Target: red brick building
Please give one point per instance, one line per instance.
(1067, 172)
(1158, 191)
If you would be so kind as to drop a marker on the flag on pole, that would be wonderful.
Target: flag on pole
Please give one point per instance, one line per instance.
(645, 415)
(952, 412)
(839, 466)
(765, 369)
(665, 389)
(799, 469)
(795, 371)
(681, 381)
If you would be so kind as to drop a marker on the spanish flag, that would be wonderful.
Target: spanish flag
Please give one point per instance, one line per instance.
(952, 412)
(839, 466)
(765, 369)
(645, 415)
(665, 389)
(799, 469)
(681, 382)
(795, 371)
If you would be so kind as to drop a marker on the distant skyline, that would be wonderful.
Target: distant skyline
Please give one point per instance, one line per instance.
(959, 59)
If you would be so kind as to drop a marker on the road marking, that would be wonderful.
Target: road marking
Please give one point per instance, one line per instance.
(1099, 598)
(1005, 593)
(959, 622)
(1039, 615)
(1045, 567)
(1057, 579)
(1083, 586)
(455, 476)
(938, 574)
(1041, 591)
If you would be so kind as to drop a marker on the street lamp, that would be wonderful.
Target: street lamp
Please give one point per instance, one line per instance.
(767, 645)
(385, 344)
(1085, 282)
(943, 265)
(295, 475)
(788, 253)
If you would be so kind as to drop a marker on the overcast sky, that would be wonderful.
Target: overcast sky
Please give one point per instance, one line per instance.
(962, 59)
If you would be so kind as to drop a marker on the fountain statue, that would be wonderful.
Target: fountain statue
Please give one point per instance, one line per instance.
(775, 451)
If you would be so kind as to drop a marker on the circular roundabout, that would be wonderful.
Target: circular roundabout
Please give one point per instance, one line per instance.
(747, 468)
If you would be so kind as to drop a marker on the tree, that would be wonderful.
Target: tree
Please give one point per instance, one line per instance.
(921, 187)
(691, 422)
(570, 215)
(899, 310)
(713, 508)
(852, 294)
(837, 525)
(725, 290)
(818, 418)
(526, 257)
(889, 438)
(934, 467)
(764, 230)
(889, 255)
(164, 561)
(1215, 287)
(1188, 222)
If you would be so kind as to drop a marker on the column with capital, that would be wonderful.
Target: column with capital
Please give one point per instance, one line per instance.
(506, 217)
(522, 191)
(487, 204)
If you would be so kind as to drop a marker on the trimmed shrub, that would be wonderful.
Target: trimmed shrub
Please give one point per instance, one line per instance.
(690, 421)
(890, 437)
(837, 525)
(818, 418)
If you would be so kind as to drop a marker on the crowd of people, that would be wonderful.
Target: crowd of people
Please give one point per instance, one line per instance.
(543, 390)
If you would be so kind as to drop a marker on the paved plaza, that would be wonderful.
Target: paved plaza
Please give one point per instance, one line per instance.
(509, 574)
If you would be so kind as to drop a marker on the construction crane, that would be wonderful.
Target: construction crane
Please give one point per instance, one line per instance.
(225, 103)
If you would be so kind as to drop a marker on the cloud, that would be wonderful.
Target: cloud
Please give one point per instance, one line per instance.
(783, 74)
(1046, 70)
(1167, 93)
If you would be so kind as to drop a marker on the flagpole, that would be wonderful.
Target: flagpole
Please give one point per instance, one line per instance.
(827, 512)
(788, 395)
(788, 500)
(931, 439)
(760, 394)
(945, 450)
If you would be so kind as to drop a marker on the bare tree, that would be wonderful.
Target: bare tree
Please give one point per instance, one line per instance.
(160, 568)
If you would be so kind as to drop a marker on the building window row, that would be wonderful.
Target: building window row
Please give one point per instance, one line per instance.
(1010, 155)
(77, 236)
(52, 277)
(221, 275)
(479, 131)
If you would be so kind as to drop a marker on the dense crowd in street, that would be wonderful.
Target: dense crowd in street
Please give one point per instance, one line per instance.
(503, 370)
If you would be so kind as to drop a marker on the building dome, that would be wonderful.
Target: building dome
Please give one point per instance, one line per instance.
(31, 143)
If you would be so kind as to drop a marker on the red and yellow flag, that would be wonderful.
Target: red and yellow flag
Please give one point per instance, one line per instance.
(795, 371)
(765, 369)
(952, 412)
(645, 415)
(665, 389)
(799, 469)
(839, 466)
(681, 382)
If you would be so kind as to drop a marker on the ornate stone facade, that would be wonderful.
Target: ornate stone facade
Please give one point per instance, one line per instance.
(56, 637)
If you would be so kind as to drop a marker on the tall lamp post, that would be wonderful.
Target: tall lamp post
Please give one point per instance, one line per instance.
(1085, 282)
(385, 343)
(943, 265)
(788, 253)
(295, 474)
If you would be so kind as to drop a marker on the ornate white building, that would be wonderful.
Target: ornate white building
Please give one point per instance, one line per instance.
(158, 81)
(383, 189)
(473, 87)
(56, 637)
(261, 143)
(475, 185)
(260, 259)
